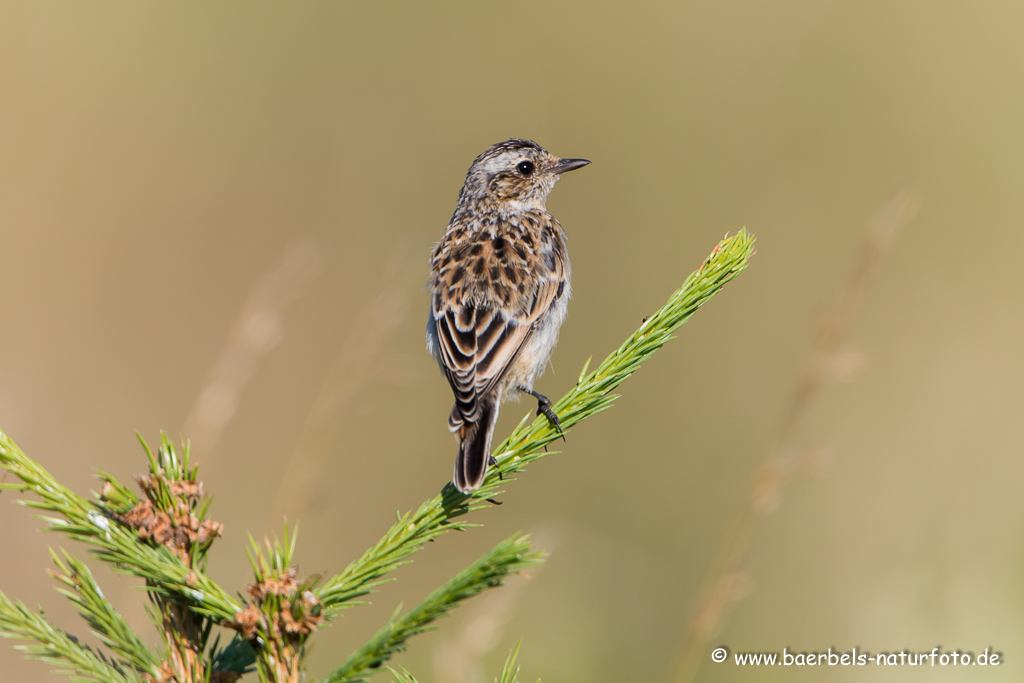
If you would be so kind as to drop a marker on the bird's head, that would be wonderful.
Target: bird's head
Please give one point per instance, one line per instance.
(515, 172)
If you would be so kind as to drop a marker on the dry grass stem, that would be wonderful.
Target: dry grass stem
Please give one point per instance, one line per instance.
(357, 364)
(256, 332)
(727, 582)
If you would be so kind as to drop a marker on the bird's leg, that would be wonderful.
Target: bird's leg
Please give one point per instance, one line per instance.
(544, 408)
(494, 463)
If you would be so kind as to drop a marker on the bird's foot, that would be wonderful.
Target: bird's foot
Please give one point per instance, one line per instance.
(544, 408)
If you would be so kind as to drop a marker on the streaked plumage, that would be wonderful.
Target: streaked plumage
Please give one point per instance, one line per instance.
(500, 284)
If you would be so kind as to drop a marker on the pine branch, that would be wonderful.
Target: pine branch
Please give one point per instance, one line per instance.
(106, 622)
(91, 523)
(591, 395)
(508, 557)
(282, 613)
(56, 647)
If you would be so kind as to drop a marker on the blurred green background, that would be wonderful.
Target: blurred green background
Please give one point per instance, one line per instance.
(215, 220)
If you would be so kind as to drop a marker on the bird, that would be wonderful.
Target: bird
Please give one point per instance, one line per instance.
(500, 283)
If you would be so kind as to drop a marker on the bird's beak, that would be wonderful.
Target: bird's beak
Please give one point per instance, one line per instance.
(566, 165)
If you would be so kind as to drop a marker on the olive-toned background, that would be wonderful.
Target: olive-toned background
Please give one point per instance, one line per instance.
(215, 219)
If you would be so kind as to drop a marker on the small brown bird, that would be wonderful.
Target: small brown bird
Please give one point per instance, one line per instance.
(500, 286)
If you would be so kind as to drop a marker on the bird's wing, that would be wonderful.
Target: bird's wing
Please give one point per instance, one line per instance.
(480, 339)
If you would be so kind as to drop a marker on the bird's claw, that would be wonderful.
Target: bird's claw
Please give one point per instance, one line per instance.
(544, 408)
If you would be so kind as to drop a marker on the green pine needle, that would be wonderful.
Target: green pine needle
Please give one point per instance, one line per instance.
(508, 557)
(510, 672)
(54, 646)
(402, 676)
(106, 622)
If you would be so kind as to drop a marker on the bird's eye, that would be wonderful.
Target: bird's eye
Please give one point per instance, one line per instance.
(525, 167)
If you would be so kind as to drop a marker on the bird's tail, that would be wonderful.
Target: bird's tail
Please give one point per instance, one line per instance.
(475, 449)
